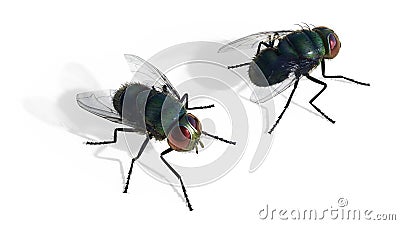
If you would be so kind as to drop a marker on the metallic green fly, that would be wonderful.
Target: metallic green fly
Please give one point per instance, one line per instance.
(288, 55)
(151, 106)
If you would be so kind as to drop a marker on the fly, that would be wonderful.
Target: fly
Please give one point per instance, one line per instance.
(288, 55)
(150, 106)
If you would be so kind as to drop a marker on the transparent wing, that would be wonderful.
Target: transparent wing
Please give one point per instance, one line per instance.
(251, 41)
(100, 104)
(147, 74)
(261, 95)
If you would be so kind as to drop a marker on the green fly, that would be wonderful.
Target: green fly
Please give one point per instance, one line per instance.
(287, 56)
(151, 106)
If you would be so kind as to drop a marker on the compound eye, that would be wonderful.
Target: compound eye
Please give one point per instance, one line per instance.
(194, 122)
(334, 45)
(179, 138)
(332, 41)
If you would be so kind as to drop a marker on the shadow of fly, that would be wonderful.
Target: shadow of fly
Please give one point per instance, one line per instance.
(151, 106)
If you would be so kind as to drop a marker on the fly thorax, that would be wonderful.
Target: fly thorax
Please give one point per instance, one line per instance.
(171, 112)
(307, 44)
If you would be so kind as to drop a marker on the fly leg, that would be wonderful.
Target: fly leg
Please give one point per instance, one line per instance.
(339, 76)
(177, 175)
(315, 80)
(115, 137)
(238, 65)
(185, 99)
(258, 51)
(270, 44)
(286, 106)
(133, 160)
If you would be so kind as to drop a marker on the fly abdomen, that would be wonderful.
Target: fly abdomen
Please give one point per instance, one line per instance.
(269, 68)
(133, 90)
(130, 104)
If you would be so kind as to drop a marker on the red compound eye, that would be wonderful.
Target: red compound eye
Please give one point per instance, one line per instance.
(334, 45)
(185, 132)
(332, 41)
(179, 138)
(194, 122)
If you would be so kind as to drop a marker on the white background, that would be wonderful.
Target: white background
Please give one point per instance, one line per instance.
(49, 177)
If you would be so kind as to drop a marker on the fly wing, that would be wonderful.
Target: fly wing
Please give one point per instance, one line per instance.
(147, 74)
(262, 95)
(100, 103)
(251, 41)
